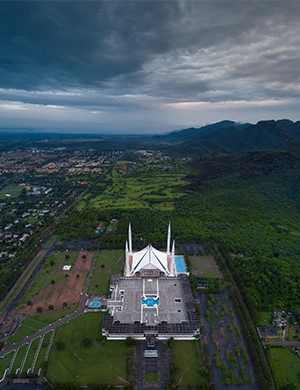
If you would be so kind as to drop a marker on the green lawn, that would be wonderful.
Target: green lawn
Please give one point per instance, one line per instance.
(188, 359)
(5, 362)
(42, 281)
(107, 263)
(33, 324)
(123, 192)
(104, 362)
(24, 331)
(20, 356)
(15, 338)
(31, 354)
(116, 202)
(43, 351)
(50, 317)
(57, 259)
(205, 266)
(32, 220)
(51, 240)
(285, 366)
(151, 377)
(11, 191)
(292, 334)
(265, 318)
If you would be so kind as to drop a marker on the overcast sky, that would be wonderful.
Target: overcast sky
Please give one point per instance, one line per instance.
(147, 66)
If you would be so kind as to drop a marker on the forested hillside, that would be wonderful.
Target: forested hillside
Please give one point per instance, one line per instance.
(250, 206)
(233, 138)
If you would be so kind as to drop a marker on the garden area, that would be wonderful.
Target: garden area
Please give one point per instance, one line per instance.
(107, 264)
(285, 365)
(81, 356)
(157, 190)
(189, 371)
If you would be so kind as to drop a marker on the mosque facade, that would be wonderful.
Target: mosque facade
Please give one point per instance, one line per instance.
(152, 297)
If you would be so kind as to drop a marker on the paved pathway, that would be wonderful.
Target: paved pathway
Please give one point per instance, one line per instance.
(151, 365)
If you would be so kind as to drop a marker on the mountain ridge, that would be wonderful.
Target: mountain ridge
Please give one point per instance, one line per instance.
(233, 139)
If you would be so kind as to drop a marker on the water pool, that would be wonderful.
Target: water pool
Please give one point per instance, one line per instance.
(94, 304)
(150, 302)
(180, 264)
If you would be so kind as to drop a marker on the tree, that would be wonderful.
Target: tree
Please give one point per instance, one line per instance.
(28, 303)
(39, 309)
(204, 371)
(87, 341)
(65, 305)
(52, 281)
(60, 345)
(50, 307)
(52, 263)
(77, 276)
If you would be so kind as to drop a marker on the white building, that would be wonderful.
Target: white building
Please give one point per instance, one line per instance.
(150, 260)
(152, 298)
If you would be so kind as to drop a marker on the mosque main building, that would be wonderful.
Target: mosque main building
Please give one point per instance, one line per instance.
(153, 297)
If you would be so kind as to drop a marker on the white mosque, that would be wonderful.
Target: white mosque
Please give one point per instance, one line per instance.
(153, 297)
(150, 260)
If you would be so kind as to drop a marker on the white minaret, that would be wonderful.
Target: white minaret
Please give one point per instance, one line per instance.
(130, 239)
(127, 270)
(169, 239)
(173, 259)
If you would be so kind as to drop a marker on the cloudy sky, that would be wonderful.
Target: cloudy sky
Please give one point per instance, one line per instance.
(147, 66)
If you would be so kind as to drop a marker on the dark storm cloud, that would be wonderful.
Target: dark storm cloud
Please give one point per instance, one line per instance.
(78, 43)
(106, 55)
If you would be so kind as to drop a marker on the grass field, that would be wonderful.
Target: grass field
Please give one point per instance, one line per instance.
(60, 259)
(264, 318)
(43, 351)
(107, 263)
(292, 334)
(33, 324)
(188, 367)
(285, 367)
(20, 282)
(51, 240)
(32, 220)
(104, 362)
(156, 190)
(31, 353)
(42, 281)
(4, 363)
(11, 191)
(205, 266)
(151, 377)
(52, 316)
(19, 358)
(15, 338)
(24, 331)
